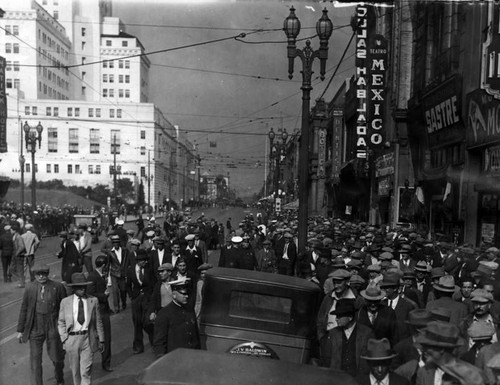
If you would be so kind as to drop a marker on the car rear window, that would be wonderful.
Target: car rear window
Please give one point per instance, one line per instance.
(260, 307)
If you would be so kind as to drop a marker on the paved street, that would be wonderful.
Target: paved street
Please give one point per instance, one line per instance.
(14, 357)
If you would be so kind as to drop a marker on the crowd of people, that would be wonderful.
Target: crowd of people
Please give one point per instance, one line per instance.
(396, 307)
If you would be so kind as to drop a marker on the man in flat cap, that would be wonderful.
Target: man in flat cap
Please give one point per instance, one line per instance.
(481, 304)
(158, 256)
(140, 283)
(192, 254)
(175, 325)
(287, 256)
(162, 292)
(82, 336)
(38, 323)
(119, 262)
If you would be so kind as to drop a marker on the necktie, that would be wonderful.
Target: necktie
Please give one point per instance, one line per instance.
(141, 275)
(81, 313)
(41, 292)
(390, 303)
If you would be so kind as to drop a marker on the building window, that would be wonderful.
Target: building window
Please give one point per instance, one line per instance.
(17, 84)
(49, 168)
(16, 48)
(94, 141)
(27, 110)
(108, 43)
(34, 110)
(70, 111)
(56, 169)
(8, 83)
(115, 141)
(111, 78)
(127, 64)
(127, 93)
(105, 64)
(8, 31)
(56, 15)
(16, 66)
(120, 78)
(52, 139)
(28, 167)
(111, 64)
(120, 63)
(83, 31)
(111, 112)
(73, 140)
(97, 169)
(70, 169)
(104, 92)
(15, 30)
(97, 112)
(105, 78)
(8, 66)
(91, 169)
(8, 48)
(143, 150)
(143, 134)
(124, 43)
(119, 113)
(143, 172)
(77, 169)
(48, 111)
(111, 92)
(77, 111)
(91, 112)
(56, 111)
(120, 93)
(127, 78)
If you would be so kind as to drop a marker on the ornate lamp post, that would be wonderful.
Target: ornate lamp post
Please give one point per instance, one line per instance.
(31, 136)
(324, 29)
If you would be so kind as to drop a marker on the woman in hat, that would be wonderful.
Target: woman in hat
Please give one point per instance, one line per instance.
(379, 356)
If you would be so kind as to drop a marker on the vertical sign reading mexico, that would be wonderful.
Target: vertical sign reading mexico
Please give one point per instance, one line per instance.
(377, 58)
(3, 108)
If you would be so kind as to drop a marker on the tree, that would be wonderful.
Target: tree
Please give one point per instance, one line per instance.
(220, 182)
(126, 191)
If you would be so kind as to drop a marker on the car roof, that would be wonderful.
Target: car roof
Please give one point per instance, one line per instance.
(251, 276)
(189, 366)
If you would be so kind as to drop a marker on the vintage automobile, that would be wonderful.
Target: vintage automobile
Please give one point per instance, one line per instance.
(190, 367)
(92, 222)
(262, 314)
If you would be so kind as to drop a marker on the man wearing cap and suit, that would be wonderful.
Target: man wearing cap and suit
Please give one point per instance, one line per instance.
(200, 244)
(287, 256)
(71, 262)
(380, 318)
(175, 325)
(379, 356)
(347, 341)
(266, 259)
(159, 255)
(99, 289)
(80, 328)
(229, 255)
(444, 290)
(85, 247)
(140, 283)
(37, 323)
(7, 248)
(119, 261)
(481, 303)
(162, 292)
(192, 254)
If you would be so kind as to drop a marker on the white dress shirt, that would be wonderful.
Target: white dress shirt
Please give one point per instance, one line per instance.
(76, 325)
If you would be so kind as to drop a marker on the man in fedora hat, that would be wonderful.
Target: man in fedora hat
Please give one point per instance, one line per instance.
(175, 325)
(379, 356)
(82, 336)
(444, 290)
(347, 341)
(140, 283)
(377, 316)
(266, 258)
(38, 320)
(480, 334)
(438, 341)
(402, 306)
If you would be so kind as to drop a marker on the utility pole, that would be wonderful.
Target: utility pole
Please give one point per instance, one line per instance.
(114, 171)
(149, 178)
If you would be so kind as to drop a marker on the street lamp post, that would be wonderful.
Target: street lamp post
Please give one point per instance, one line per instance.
(277, 151)
(324, 29)
(31, 136)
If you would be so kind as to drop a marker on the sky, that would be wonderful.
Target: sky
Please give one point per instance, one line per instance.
(234, 90)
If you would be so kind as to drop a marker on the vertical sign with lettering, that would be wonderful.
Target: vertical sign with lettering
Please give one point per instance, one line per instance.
(378, 61)
(3, 108)
(337, 144)
(361, 76)
(321, 152)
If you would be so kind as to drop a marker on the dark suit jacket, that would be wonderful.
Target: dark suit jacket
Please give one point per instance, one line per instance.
(117, 269)
(332, 355)
(403, 308)
(71, 262)
(193, 259)
(394, 379)
(458, 309)
(406, 351)
(97, 289)
(153, 259)
(385, 325)
(135, 288)
(28, 305)
(284, 266)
